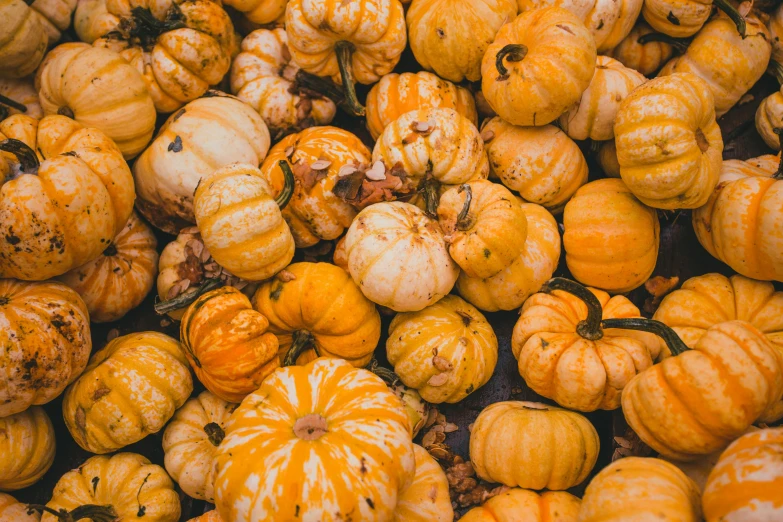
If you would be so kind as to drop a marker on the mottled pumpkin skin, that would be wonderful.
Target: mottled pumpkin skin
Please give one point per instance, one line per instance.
(22, 91)
(522, 504)
(427, 497)
(130, 389)
(138, 490)
(227, 343)
(646, 58)
(24, 39)
(450, 37)
(13, 511)
(532, 445)
(746, 482)
(27, 444)
(46, 340)
(302, 422)
(769, 118)
(636, 488)
(557, 68)
(677, 18)
(92, 20)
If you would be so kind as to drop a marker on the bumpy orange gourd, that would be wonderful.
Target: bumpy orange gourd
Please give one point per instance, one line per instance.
(13, 511)
(260, 11)
(22, 92)
(769, 119)
(682, 18)
(645, 57)
(24, 39)
(427, 497)
(27, 443)
(522, 504)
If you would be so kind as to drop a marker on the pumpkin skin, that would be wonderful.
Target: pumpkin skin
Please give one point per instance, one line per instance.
(643, 57)
(445, 352)
(611, 239)
(640, 488)
(13, 511)
(130, 389)
(677, 18)
(427, 497)
(557, 67)
(368, 437)
(92, 20)
(674, 165)
(22, 91)
(24, 40)
(46, 340)
(392, 231)
(107, 481)
(117, 102)
(27, 444)
(191, 440)
(55, 16)
(532, 445)
(766, 162)
(775, 28)
(118, 280)
(607, 158)
(522, 504)
(227, 344)
(209, 516)
(541, 163)
(260, 11)
(450, 37)
(769, 118)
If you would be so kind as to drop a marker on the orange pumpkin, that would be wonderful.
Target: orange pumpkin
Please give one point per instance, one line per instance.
(681, 18)
(519, 504)
(27, 445)
(13, 511)
(645, 56)
(19, 96)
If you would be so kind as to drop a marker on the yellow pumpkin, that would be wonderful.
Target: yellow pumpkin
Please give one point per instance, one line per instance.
(522, 504)
(426, 499)
(98, 88)
(645, 56)
(227, 344)
(637, 488)
(130, 389)
(668, 144)
(607, 158)
(683, 18)
(191, 440)
(24, 39)
(209, 516)
(260, 11)
(611, 239)
(532, 445)
(538, 66)
(26, 449)
(324, 416)
(46, 342)
(769, 119)
(541, 163)
(92, 20)
(19, 96)
(13, 511)
(203, 136)
(767, 162)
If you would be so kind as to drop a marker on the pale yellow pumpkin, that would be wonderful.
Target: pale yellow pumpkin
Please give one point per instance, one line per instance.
(519, 504)
(22, 92)
(645, 57)
(92, 20)
(24, 39)
(55, 16)
(769, 119)
(427, 497)
(27, 444)
(13, 511)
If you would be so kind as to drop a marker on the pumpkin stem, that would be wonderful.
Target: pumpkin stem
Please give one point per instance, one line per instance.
(181, 301)
(215, 433)
(779, 173)
(94, 512)
(731, 12)
(28, 161)
(65, 111)
(323, 86)
(284, 197)
(4, 100)
(681, 44)
(147, 27)
(302, 341)
(388, 376)
(673, 341)
(344, 51)
(590, 328)
(464, 220)
(511, 52)
(429, 188)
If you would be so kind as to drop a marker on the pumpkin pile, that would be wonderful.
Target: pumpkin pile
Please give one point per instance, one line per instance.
(391, 260)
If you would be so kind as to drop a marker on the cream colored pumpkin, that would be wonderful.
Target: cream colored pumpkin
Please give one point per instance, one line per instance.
(769, 119)
(92, 20)
(427, 497)
(55, 16)
(21, 91)
(645, 57)
(27, 442)
(13, 511)
(24, 40)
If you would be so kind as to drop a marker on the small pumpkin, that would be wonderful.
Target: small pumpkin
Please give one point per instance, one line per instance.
(92, 20)
(24, 39)
(683, 18)
(426, 499)
(769, 119)
(538, 66)
(522, 504)
(645, 56)
(209, 516)
(129, 389)
(12, 510)
(191, 440)
(775, 28)
(607, 158)
(19, 96)
(27, 445)
(260, 11)
(767, 162)
(418, 409)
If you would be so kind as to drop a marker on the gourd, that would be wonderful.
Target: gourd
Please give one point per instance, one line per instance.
(191, 440)
(607, 158)
(683, 18)
(775, 28)
(328, 415)
(389, 231)
(317, 306)
(24, 40)
(646, 56)
(260, 11)
(668, 144)
(450, 37)
(203, 136)
(767, 162)
(541, 163)
(19, 96)
(98, 88)
(769, 119)
(77, 185)
(27, 444)
(92, 20)
(538, 66)
(13, 511)
(119, 279)
(209, 516)
(427, 497)
(445, 351)
(227, 343)
(130, 389)
(523, 504)
(611, 239)
(532, 445)
(55, 16)
(46, 340)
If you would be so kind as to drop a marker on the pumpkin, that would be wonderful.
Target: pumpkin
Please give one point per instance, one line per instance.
(767, 162)
(532, 445)
(541, 163)
(77, 186)
(55, 16)
(260, 11)
(485, 227)
(445, 351)
(125, 486)
(637, 488)
(646, 56)
(775, 28)
(119, 279)
(129, 389)
(26, 449)
(683, 18)
(13, 511)
(450, 37)
(98, 88)
(593, 115)
(611, 239)
(318, 306)
(191, 440)
(241, 224)
(538, 66)
(203, 136)
(340, 257)
(607, 159)
(227, 344)
(769, 119)
(19, 96)
(92, 20)
(397, 94)
(668, 144)
(745, 483)
(522, 504)
(46, 342)
(426, 499)
(384, 234)
(509, 288)
(315, 212)
(24, 39)
(209, 516)
(300, 423)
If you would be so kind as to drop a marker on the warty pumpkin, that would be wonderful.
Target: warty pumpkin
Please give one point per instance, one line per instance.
(12, 510)
(426, 499)
(92, 20)
(24, 40)
(682, 18)
(645, 56)
(522, 504)
(27, 444)
(129, 389)
(769, 119)
(538, 66)
(300, 423)
(18, 96)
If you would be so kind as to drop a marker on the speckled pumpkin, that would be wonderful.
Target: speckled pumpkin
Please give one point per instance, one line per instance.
(427, 497)
(769, 119)
(12, 510)
(646, 57)
(27, 444)
(21, 91)
(24, 39)
(683, 18)
(522, 504)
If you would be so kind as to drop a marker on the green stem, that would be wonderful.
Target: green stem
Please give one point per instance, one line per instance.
(94, 512)
(511, 52)
(670, 337)
(680, 44)
(731, 12)
(184, 300)
(463, 218)
(344, 51)
(13, 103)
(590, 328)
(429, 188)
(215, 433)
(302, 340)
(284, 197)
(24, 154)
